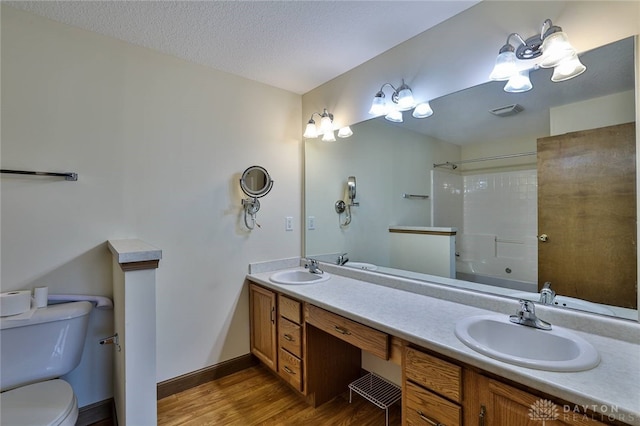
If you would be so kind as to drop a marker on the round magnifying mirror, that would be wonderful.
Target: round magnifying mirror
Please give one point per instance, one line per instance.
(256, 182)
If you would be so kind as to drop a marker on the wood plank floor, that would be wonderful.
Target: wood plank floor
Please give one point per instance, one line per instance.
(255, 396)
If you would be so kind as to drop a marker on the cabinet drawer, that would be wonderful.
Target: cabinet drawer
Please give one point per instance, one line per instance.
(290, 369)
(289, 336)
(433, 373)
(361, 336)
(428, 409)
(290, 309)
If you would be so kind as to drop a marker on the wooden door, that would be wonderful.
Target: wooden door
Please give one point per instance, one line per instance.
(262, 305)
(504, 405)
(587, 210)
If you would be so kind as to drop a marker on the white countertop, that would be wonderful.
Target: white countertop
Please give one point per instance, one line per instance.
(429, 322)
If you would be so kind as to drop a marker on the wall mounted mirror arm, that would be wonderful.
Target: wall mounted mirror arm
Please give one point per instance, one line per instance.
(256, 183)
(342, 207)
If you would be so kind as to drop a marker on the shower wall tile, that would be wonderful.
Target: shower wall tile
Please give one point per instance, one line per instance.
(503, 204)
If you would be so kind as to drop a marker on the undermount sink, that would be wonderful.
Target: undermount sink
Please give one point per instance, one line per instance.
(298, 276)
(557, 349)
(568, 302)
(361, 265)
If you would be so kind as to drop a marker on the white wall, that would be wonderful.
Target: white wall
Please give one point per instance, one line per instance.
(159, 145)
(604, 111)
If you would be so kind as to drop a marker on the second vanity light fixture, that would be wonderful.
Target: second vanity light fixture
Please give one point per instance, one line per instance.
(554, 50)
(401, 100)
(325, 129)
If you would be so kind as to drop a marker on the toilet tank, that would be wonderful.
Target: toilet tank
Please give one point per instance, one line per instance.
(45, 346)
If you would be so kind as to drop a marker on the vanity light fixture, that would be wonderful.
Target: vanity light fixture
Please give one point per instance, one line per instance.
(551, 46)
(325, 129)
(401, 100)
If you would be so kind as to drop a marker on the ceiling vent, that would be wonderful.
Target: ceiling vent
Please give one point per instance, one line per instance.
(507, 111)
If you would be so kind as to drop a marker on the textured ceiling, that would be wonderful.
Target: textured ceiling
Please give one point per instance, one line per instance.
(293, 45)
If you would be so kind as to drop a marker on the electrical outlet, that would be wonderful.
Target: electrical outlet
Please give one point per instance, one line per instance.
(288, 223)
(311, 223)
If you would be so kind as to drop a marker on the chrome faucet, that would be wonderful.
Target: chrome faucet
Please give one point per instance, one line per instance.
(342, 259)
(313, 267)
(526, 315)
(546, 294)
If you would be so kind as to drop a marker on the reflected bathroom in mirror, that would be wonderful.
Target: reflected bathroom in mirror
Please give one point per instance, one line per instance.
(490, 199)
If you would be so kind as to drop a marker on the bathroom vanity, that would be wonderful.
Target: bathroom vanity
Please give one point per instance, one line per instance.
(312, 336)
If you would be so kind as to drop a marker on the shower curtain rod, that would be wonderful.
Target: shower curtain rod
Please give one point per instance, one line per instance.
(454, 164)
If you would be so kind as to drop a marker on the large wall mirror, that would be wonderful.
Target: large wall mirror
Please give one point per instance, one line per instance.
(491, 195)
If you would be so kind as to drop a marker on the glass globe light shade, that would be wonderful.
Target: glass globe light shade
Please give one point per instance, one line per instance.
(505, 66)
(310, 132)
(567, 69)
(422, 110)
(378, 106)
(345, 132)
(326, 124)
(405, 99)
(555, 48)
(329, 136)
(395, 116)
(519, 83)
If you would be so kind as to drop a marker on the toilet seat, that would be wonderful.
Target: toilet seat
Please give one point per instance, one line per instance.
(50, 403)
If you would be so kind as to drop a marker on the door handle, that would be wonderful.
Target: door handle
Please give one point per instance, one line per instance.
(543, 238)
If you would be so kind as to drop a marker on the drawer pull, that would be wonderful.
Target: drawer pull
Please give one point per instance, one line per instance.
(288, 370)
(341, 330)
(288, 337)
(428, 420)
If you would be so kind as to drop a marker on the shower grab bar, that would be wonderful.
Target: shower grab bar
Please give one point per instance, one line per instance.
(67, 176)
(422, 197)
(500, 240)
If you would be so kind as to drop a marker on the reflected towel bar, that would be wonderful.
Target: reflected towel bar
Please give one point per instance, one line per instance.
(422, 197)
(67, 176)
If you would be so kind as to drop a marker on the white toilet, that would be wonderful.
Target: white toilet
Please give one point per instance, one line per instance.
(33, 352)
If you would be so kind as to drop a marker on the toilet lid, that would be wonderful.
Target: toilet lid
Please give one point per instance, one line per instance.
(42, 404)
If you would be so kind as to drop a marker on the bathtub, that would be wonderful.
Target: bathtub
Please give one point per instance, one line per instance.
(512, 274)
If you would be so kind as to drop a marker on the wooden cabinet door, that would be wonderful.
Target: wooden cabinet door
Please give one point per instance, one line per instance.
(587, 210)
(507, 406)
(262, 305)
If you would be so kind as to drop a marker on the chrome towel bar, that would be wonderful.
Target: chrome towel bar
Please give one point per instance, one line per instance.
(67, 176)
(422, 197)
